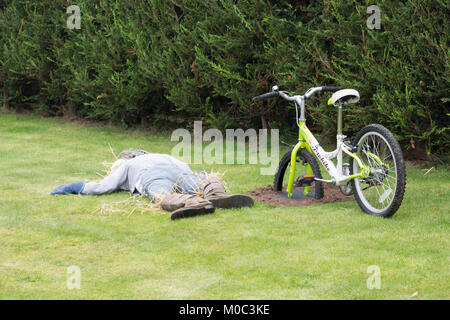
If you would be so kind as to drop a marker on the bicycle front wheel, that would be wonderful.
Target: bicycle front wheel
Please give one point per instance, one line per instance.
(306, 165)
(381, 193)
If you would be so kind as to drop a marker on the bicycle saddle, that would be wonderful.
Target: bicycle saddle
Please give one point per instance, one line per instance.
(344, 97)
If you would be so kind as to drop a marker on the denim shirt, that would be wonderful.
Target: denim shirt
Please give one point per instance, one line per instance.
(150, 174)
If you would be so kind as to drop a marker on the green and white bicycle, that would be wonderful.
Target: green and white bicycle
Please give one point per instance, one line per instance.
(375, 172)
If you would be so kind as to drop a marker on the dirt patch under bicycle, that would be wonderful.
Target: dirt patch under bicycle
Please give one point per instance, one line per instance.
(269, 196)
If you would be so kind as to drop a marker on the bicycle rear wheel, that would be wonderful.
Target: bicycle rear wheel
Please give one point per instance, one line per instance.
(381, 193)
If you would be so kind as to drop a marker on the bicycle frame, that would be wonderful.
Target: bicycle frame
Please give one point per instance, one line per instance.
(310, 143)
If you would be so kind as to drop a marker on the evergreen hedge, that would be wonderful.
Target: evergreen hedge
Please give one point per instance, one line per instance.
(139, 62)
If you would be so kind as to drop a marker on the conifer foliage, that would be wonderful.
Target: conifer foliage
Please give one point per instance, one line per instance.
(139, 62)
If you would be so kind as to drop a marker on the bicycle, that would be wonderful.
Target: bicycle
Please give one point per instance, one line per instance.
(375, 173)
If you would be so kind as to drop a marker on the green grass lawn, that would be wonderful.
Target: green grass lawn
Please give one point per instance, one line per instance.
(264, 252)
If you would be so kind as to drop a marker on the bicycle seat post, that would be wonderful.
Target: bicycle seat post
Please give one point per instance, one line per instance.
(339, 121)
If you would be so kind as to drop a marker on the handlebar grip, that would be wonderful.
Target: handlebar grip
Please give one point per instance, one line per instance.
(326, 88)
(266, 96)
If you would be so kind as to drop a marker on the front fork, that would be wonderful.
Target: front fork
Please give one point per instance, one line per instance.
(300, 144)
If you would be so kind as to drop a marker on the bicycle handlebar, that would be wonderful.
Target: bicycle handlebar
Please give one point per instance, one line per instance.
(266, 95)
(331, 88)
(308, 93)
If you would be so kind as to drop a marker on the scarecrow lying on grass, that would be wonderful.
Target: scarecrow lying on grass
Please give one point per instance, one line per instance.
(162, 178)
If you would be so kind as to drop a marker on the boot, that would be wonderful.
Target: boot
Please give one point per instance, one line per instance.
(186, 205)
(191, 212)
(214, 191)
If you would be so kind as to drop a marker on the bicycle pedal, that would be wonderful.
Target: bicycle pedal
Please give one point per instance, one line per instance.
(305, 180)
